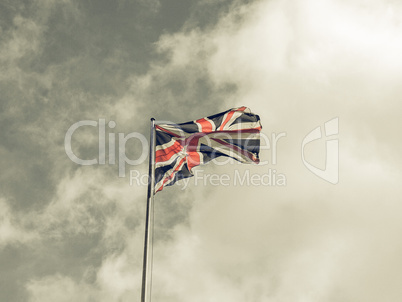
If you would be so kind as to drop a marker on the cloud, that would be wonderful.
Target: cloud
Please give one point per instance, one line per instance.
(10, 231)
(59, 288)
(297, 66)
(78, 231)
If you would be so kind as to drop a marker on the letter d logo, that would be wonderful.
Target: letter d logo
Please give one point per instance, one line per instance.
(331, 171)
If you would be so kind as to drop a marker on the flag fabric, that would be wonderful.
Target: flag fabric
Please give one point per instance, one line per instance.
(179, 148)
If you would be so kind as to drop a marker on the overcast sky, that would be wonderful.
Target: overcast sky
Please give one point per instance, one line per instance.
(75, 233)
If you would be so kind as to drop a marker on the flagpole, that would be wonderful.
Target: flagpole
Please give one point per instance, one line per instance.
(147, 261)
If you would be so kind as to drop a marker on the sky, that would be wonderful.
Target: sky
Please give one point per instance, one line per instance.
(71, 232)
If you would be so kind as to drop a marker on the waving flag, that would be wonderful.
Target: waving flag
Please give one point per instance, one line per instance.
(181, 147)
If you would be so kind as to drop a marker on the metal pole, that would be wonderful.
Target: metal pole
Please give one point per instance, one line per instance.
(147, 261)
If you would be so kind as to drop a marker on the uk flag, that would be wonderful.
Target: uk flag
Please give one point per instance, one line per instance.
(179, 148)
